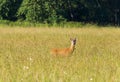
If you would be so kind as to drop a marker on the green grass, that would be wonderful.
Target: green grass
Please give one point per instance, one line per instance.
(24, 55)
(6, 23)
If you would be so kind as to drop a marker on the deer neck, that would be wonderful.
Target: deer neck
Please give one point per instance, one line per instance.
(72, 46)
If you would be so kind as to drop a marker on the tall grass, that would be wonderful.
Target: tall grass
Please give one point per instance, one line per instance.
(24, 55)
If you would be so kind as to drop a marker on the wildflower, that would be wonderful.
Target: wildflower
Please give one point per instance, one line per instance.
(65, 72)
(30, 59)
(25, 67)
(91, 79)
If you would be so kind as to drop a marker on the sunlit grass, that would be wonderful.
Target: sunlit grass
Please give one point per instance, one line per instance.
(24, 55)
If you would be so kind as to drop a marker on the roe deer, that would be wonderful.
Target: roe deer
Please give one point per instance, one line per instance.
(64, 51)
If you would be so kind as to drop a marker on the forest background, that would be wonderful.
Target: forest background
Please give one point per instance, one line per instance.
(100, 12)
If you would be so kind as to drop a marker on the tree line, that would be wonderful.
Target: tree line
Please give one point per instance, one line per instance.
(56, 11)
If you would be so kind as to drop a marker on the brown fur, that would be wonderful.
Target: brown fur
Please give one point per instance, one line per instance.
(64, 51)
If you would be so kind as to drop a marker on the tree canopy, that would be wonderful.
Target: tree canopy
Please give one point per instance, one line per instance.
(55, 11)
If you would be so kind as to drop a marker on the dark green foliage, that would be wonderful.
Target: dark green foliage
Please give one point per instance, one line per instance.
(57, 11)
(39, 11)
(8, 9)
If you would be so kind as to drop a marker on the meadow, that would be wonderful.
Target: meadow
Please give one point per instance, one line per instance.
(25, 57)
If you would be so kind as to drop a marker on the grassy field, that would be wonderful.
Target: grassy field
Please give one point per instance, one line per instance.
(25, 57)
